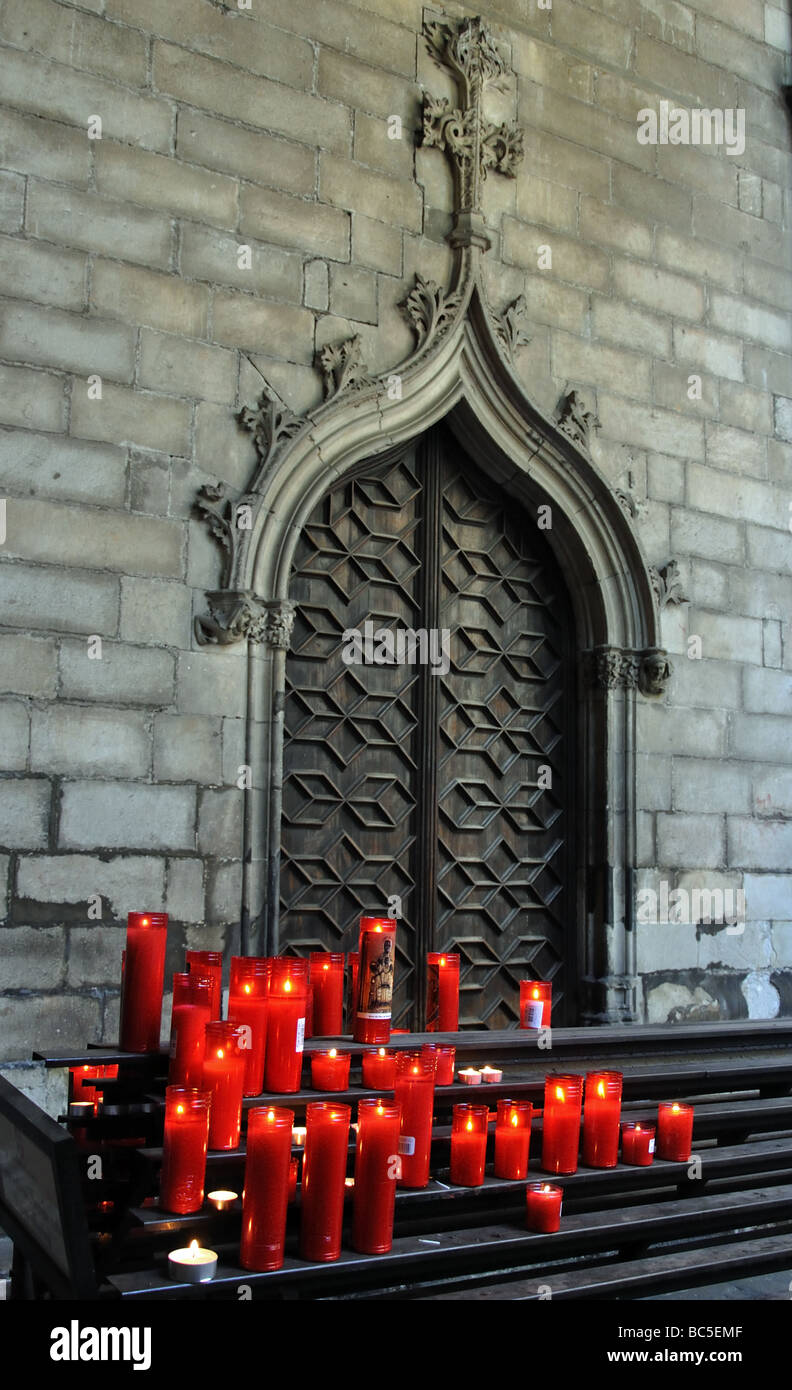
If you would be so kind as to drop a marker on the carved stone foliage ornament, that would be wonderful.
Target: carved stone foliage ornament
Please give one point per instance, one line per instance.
(344, 368)
(271, 424)
(667, 584)
(237, 615)
(611, 668)
(577, 421)
(467, 49)
(430, 309)
(512, 327)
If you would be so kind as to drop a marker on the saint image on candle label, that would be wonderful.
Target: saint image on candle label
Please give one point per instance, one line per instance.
(375, 976)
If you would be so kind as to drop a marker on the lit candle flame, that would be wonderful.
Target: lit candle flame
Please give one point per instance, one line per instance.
(333, 1052)
(193, 1248)
(145, 921)
(675, 1109)
(515, 1119)
(546, 1187)
(220, 1052)
(247, 989)
(469, 1124)
(179, 1109)
(325, 967)
(601, 1089)
(382, 1052)
(442, 960)
(560, 1093)
(536, 994)
(270, 1114)
(286, 986)
(380, 1110)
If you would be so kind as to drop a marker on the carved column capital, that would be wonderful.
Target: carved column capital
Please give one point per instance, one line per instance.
(612, 668)
(237, 615)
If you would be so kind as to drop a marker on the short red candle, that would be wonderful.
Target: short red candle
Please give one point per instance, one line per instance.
(375, 980)
(353, 963)
(376, 1171)
(379, 1069)
(324, 1173)
(184, 1149)
(638, 1144)
(143, 976)
(247, 1007)
(674, 1130)
(512, 1138)
(266, 1195)
(223, 1077)
(442, 992)
(209, 963)
(192, 1010)
(444, 1066)
(286, 1024)
(414, 1092)
(330, 1070)
(543, 1207)
(601, 1116)
(561, 1123)
(532, 994)
(468, 1145)
(327, 982)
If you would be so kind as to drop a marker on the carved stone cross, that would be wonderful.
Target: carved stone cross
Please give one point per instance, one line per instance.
(474, 144)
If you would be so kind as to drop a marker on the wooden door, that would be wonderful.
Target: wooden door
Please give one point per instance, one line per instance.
(451, 791)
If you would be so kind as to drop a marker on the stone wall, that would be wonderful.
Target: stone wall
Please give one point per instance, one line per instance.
(193, 194)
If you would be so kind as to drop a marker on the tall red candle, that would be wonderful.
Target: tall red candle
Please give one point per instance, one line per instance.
(376, 1171)
(638, 1144)
(209, 963)
(375, 980)
(543, 1207)
(512, 1138)
(327, 982)
(324, 1174)
(286, 1024)
(674, 1130)
(224, 1076)
(601, 1117)
(561, 1123)
(267, 1179)
(353, 965)
(532, 994)
(330, 1070)
(379, 1069)
(184, 1149)
(414, 1092)
(144, 973)
(442, 992)
(247, 1007)
(468, 1145)
(192, 1005)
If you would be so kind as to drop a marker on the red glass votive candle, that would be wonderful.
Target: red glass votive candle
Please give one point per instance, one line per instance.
(184, 1149)
(192, 1010)
(379, 1069)
(375, 980)
(143, 976)
(83, 1078)
(247, 1008)
(601, 1117)
(376, 1171)
(444, 1066)
(266, 1195)
(414, 1092)
(543, 1211)
(327, 983)
(353, 963)
(561, 1123)
(324, 1173)
(512, 1138)
(532, 994)
(429, 1050)
(442, 992)
(468, 1145)
(209, 963)
(330, 1070)
(674, 1130)
(286, 1024)
(638, 1144)
(224, 1077)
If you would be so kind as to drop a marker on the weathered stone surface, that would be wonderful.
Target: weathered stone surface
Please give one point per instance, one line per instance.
(113, 815)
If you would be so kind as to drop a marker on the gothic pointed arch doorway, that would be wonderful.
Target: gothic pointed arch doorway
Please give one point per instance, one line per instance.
(442, 774)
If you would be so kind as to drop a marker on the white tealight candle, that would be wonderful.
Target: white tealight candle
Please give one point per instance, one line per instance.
(471, 1076)
(298, 1135)
(491, 1074)
(222, 1199)
(192, 1265)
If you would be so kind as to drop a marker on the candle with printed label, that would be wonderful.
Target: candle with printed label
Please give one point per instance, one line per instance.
(192, 1010)
(674, 1130)
(561, 1123)
(286, 1024)
(330, 1070)
(442, 992)
(209, 963)
(247, 1008)
(327, 983)
(224, 1077)
(142, 981)
(512, 1138)
(468, 1144)
(379, 1069)
(375, 980)
(601, 1116)
(534, 993)
(184, 1148)
(543, 1208)
(266, 1194)
(414, 1092)
(324, 1171)
(376, 1170)
(638, 1144)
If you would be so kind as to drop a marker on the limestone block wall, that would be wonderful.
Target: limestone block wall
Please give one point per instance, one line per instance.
(195, 193)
